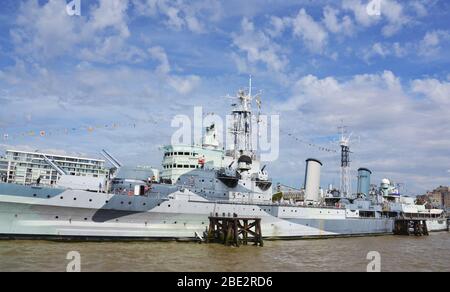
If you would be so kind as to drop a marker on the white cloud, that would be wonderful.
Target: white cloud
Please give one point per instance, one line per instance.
(384, 50)
(111, 13)
(311, 32)
(395, 16)
(44, 32)
(359, 10)
(182, 84)
(434, 89)
(432, 42)
(277, 26)
(259, 47)
(379, 108)
(159, 54)
(420, 7)
(181, 14)
(331, 20)
(392, 13)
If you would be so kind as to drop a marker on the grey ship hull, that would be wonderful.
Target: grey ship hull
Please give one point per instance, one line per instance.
(27, 212)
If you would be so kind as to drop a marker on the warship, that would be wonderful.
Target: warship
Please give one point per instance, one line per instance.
(197, 181)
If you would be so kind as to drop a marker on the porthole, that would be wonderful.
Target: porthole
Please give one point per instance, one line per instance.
(129, 203)
(121, 203)
(74, 199)
(48, 196)
(90, 200)
(144, 204)
(106, 202)
(56, 217)
(34, 195)
(85, 219)
(168, 206)
(61, 198)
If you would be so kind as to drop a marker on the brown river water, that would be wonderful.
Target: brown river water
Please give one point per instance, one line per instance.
(398, 253)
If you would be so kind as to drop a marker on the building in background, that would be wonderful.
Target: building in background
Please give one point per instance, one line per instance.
(440, 197)
(22, 167)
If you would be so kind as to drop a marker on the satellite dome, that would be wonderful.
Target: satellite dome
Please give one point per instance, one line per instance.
(385, 181)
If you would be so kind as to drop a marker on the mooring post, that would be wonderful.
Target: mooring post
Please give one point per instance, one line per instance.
(212, 229)
(245, 232)
(229, 233)
(236, 231)
(425, 228)
(261, 243)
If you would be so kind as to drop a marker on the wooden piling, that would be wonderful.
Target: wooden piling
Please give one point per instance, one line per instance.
(235, 231)
(418, 227)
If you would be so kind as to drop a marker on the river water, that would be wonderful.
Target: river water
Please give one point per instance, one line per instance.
(398, 253)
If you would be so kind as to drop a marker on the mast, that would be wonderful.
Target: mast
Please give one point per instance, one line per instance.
(345, 185)
(242, 123)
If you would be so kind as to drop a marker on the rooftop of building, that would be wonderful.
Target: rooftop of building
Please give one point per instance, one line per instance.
(53, 155)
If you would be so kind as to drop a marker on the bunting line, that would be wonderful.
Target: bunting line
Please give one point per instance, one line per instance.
(307, 143)
(70, 130)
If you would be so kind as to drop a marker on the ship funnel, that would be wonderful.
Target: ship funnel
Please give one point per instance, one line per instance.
(364, 181)
(312, 180)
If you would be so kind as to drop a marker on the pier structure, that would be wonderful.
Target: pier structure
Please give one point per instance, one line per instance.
(234, 230)
(417, 227)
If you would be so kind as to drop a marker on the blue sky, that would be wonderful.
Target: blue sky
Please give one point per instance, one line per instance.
(318, 62)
